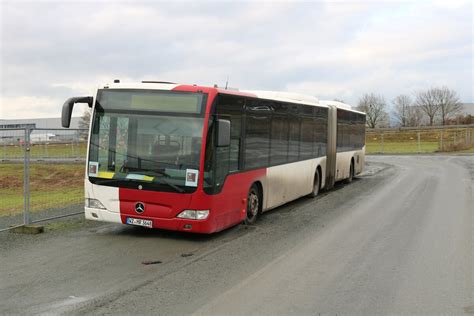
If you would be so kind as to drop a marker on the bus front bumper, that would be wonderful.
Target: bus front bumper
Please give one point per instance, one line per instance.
(178, 224)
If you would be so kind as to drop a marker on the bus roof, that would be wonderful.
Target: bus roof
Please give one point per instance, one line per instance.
(261, 94)
(286, 97)
(340, 105)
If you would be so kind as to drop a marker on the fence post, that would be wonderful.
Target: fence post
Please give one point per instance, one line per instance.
(26, 178)
(418, 141)
(441, 141)
(381, 139)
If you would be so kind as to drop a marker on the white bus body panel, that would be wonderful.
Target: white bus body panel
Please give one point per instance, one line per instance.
(290, 181)
(109, 197)
(359, 160)
(343, 163)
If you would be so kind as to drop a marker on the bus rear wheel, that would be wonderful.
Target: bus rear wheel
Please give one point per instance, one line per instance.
(253, 205)
(351, 173)
(316, 185)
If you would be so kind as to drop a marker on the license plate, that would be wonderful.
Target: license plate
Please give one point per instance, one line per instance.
(140, 222)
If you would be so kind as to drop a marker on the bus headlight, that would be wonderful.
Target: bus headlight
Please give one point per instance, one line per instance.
(194, 214)
(94, 203)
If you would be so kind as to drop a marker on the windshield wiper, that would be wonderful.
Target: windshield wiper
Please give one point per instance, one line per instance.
(160, 172)
(102, 181)
(148, 173)
(163, 179)
(178, 189)
(163, 175)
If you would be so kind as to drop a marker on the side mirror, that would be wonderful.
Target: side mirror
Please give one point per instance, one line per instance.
(67, 109)
(223, 133)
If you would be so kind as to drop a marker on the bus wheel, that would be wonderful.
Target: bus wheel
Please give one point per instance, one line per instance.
(253, 205)
(316, 185)
(351, 173)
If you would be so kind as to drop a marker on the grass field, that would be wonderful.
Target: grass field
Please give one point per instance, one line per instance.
(401, 148)
(44, 150)
(51, 186)
(430, 141)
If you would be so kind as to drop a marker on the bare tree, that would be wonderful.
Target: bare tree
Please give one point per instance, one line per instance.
(442, 101)
(449, 103)
(405, 112)
(415, 116)
(339, 100)
(374, 108)
(84, 123)
(428, 103)
(402, 109)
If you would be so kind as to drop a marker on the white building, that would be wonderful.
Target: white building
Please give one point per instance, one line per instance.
(468, 109)
(43, 130)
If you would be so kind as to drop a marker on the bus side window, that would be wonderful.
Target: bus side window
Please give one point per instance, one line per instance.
(294, 137)
(257, 134)
(221, 164)
(279, 135)
(219, 161)
(100, 140)
(231, 108)
(307, 136)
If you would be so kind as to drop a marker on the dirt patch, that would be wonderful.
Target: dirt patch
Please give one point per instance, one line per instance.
(11, 182)
(43, 177)
(52, 186)
(50, 178)
(456, 147)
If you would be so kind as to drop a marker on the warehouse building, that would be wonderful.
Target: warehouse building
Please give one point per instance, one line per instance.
(42, 130)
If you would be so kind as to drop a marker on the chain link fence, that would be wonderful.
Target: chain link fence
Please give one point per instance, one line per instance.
(420, 140)
(41, 174)
(44, 144)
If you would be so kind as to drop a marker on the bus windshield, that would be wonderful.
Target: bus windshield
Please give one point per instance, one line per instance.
(153, 138)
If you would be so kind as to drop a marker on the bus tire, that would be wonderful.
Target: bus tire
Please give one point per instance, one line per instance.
(316, 185)
(351, 173)
(253, 205)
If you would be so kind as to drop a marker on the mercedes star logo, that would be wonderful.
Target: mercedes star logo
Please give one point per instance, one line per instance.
(139, 207)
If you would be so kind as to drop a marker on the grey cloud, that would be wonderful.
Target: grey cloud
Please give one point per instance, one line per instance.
(58, 49)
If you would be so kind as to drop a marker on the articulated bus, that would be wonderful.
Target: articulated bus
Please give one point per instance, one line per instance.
(202, 159)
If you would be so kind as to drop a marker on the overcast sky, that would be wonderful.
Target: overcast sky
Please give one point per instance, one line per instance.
(331, 49)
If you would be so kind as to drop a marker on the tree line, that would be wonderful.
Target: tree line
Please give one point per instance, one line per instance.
(434, 106)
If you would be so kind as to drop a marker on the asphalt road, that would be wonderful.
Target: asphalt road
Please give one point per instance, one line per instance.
(398, 240)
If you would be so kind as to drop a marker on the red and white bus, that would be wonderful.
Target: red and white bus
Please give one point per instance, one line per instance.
(202, 159)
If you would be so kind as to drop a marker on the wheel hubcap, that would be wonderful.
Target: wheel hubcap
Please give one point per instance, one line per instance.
(253, 204)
